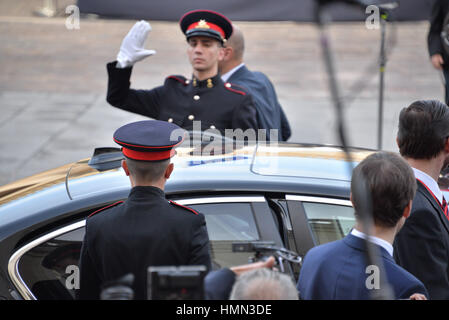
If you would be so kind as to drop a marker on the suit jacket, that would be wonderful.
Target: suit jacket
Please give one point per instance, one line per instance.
(270, 114)
(145, 230)
(422, 245)
(218, 284)
(183, 101)
(336, 271)
(440, 9)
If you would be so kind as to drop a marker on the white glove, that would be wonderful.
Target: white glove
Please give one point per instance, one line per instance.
(132, 48)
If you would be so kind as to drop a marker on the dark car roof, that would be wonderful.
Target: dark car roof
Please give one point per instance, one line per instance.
(286, 168)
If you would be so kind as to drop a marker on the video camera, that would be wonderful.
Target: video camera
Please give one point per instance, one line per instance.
(164, 283)
(176, 283)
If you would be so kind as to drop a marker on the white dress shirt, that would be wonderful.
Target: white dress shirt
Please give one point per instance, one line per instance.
(225, 77)
(430, 183)
(380, 242)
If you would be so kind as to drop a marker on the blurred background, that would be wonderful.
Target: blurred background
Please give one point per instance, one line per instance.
(53, 74)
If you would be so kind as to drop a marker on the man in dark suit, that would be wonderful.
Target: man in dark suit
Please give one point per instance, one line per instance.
(270, 114)
(438, 55)
(422, 246)
(338, 270)
(201, 103)
(218, 284)
(146, 229)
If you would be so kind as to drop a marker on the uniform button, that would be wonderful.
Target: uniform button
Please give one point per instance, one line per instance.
(196, 97)
(170, 120)
(212, 127)
(191, 117)
(227, 85)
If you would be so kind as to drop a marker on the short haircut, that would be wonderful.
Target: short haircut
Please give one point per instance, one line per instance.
(264, 284)
(149, 171)
(391, 183)
(423, 129)
(236, 42)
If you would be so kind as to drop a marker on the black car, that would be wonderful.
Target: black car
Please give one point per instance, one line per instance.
(294, 196)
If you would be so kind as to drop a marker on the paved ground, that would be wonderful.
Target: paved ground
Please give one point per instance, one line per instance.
(53, 81)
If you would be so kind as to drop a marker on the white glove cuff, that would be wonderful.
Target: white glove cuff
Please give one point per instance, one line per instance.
(122, 61)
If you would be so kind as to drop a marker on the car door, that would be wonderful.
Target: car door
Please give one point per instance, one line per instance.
(47, 267)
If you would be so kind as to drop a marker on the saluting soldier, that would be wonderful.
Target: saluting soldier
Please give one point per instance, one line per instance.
(146, 229)
(204, 97)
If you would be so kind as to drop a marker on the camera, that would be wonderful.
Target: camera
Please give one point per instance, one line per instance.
(286, 261)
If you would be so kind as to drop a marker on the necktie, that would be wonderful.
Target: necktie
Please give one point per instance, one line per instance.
(444, 207)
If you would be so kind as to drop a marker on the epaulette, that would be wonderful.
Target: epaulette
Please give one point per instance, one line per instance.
(104, 208)
(233, 87)
(181, 206)
(180, 79)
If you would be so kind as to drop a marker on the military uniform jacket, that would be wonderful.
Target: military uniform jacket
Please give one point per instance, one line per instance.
(181, 101)
(145, 230)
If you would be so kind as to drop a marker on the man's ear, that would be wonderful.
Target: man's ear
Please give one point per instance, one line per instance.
(227, 53)
(169, 170)
(446, 145)
(407, 210)
(125, 167)
(221, 53)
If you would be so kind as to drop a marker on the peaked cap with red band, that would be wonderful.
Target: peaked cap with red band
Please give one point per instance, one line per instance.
(149, 140)
(206, 23)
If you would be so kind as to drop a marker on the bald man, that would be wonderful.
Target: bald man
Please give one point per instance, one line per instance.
(232, 69)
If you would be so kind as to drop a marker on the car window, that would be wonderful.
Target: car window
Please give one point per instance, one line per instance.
(228, 223)
(329, 222)
(49, 269)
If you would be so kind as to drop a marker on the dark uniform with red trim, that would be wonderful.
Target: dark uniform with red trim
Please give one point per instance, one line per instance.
(216, 104)
(144, 230)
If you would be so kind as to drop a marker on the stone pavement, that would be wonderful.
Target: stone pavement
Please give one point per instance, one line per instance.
(53, 82)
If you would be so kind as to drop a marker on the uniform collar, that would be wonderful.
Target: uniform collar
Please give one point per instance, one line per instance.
(146, 191)
(207, 83)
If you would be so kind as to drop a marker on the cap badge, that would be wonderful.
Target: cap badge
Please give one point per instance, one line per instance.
(202, 24)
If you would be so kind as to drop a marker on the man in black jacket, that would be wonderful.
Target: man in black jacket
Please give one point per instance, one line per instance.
(438, 55)
(204, 98)
(146, 229)
(422, 245)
